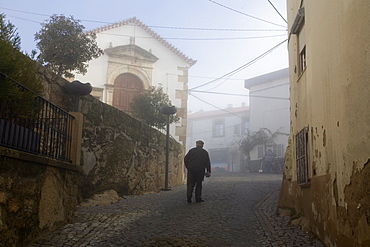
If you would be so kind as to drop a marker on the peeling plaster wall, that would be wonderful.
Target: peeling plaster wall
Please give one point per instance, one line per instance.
(331, 98)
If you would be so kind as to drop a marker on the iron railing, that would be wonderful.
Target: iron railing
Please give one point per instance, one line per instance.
(32, 124)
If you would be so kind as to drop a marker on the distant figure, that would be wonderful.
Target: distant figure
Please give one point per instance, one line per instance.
(197, 162)
(267, 160)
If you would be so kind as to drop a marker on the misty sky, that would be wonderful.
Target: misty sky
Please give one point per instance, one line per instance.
(183, 23)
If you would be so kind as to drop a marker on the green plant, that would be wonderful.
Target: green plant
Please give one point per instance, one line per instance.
(9, 34)
(261, 137)
(146, 107)
(64, 47)
(16, 67)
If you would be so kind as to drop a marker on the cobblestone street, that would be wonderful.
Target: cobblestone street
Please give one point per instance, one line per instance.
(239, 210)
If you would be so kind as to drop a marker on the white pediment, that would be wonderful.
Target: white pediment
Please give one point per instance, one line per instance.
(130, 51)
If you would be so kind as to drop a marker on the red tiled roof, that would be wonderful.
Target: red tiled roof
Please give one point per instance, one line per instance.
(136, 21)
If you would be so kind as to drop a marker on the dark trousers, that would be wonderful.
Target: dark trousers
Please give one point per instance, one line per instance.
(194, 179)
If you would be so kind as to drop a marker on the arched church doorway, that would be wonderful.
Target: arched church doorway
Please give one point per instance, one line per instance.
(126, 87)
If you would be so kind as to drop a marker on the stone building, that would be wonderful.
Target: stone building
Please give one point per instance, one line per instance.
(221, 131)
(136, 58)
(327, 166)
(269, 108)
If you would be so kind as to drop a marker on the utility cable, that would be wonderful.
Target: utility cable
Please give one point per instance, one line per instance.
(219, 84)
(241, 67)
(242, 95)
(237, 11)
(232, 38)
(199, 39)
(221, 29)
(23, 19)
(214, 105)
(163, 27)
(277, 11)
(190, 39)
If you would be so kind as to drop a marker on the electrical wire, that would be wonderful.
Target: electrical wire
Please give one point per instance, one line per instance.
(198, 39)
(208, 77)
(214, 105)
(242, 95)
(219, 84)
(237, 11)
(232, 38)
(23, 19)
(277, 11)
(25, 12)
(241, 67)
(221, 29)
(163, 27)
(209, 131)
(190, 39)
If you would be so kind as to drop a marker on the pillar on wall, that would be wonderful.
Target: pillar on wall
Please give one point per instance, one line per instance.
(182, 110)
(76, 137)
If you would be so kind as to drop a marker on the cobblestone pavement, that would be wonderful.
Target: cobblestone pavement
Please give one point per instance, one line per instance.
(239, 210)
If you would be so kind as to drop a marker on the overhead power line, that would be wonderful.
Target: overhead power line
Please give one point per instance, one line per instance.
(222, 29)
(242, 95)
(23, 19)
(163, 27)
(277, 11)
(208, 77)
(199, 39)
(241, 67)
(237, 11)
(25, 12)
(214, 105)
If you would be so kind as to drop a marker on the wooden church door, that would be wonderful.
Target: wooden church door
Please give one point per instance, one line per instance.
(126, 87)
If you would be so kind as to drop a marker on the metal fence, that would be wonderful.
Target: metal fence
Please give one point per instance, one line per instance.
(32, 124)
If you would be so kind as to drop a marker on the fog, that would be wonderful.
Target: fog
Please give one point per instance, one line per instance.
(226, 38)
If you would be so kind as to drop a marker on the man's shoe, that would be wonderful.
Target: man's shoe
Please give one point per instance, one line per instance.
(189, 199)
(200, 200)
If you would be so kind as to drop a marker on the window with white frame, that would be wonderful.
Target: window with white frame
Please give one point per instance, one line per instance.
(278, 150)
(245, 125)
(302, 63)
(218, 128)
(298, 28)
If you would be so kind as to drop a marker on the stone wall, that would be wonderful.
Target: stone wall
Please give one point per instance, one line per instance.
(121, 153)
(36, 193)
(118, 153)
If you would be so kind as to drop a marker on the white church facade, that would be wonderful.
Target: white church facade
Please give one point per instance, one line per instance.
(136, 58)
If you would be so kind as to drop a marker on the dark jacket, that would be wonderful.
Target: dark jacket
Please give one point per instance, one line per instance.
(197, 159)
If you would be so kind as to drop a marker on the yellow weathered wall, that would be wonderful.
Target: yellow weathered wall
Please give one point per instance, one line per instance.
(332, 98)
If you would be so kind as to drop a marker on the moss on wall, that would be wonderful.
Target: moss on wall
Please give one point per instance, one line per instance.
(121, 153)
(33, 196)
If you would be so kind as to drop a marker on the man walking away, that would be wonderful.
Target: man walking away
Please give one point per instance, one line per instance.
(197, 162)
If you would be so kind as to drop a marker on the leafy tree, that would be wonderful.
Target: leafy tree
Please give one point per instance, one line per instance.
(9, 34)
(64, 47)
(261, 137)
(146, 107)
(15, 66)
